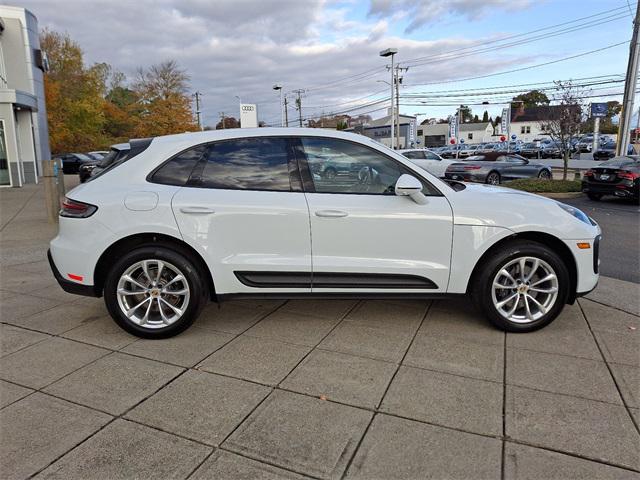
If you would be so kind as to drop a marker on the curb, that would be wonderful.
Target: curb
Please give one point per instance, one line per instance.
(559, 194)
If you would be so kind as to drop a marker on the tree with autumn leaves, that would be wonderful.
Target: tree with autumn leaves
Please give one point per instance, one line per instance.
(92, 107)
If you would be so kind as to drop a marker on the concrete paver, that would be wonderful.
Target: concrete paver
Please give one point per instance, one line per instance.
(10, 392)
(13, 339)
(344, 378)
(302, 434)
(125, 450)
(114, 383)
(399, 448)
(229, 466)
(201, 406)
(592, 429)
(449, 400)
(38, 429)
(628, 381)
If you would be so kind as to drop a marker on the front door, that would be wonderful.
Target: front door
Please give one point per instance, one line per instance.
(364, 237)
(245, 209)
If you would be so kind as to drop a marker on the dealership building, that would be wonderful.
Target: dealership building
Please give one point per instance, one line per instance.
(24, 136)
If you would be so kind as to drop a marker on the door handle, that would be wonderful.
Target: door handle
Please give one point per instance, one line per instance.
(197, 210)
(331, 213)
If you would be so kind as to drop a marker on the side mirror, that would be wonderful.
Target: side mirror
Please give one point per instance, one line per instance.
(408, 185)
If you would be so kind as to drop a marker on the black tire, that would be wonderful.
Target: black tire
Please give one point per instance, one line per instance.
(481, 289)
(596, 197)
(187, 267)
(492, 178)
(544, 175)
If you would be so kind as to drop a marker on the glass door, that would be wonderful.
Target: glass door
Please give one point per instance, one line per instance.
(5, 176)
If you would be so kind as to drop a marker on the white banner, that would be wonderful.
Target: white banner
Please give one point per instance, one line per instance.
(505, 124)
(453, 127)
(248, 115)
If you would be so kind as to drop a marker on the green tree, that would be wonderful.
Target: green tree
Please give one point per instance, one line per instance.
(534, 98)
(485, 117)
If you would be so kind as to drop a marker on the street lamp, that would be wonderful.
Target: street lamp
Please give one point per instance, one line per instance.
(390, 52)
(278, 86)
(240, 104)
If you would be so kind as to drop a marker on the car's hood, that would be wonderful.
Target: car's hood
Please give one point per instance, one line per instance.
(503, 207)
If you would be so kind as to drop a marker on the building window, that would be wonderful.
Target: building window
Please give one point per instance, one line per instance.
(469, 136)
(419, 133)
(525, 129)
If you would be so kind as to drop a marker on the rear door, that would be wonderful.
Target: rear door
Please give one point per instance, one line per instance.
(244, 209)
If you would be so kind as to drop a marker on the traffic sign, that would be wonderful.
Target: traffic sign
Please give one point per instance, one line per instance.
(502, 138)
(513, 137)
(462, 140)
(452, 141)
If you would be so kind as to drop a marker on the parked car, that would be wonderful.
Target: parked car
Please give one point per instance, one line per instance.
(551, 150)
(495, 168)
(71, 162)
(450, 151)
(232, 213)
(619, 177)
(431, 162)
(115, 154)
(608, 150)
(530, 150)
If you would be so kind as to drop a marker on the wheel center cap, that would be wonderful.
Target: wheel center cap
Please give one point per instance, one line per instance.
(523, 288)
(155, 292)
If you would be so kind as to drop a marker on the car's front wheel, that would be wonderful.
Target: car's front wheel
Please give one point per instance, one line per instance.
(493, 178)
(154, 292)
(544, 175)
(522, 287)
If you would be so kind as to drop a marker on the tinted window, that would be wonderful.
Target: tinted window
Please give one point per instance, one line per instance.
(431, 156)
(177, 170)
(414, 155)
(340, 166)
(247, 164)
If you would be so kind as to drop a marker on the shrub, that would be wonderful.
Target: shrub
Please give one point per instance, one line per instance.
(536, 185)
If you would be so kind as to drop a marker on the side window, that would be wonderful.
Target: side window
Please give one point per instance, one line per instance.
(255, 163)
(177, 170)
(432, 156)
(414, 155)
(340, 166)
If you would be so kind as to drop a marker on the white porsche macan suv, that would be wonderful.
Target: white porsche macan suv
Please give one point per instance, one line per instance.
(189, 218)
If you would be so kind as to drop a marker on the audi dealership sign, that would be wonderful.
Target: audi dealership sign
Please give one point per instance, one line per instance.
(248, 115)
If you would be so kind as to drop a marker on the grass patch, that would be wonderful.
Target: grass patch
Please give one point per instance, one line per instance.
(536, 185)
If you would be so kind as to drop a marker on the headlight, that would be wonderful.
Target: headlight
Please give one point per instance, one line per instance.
(579, 214)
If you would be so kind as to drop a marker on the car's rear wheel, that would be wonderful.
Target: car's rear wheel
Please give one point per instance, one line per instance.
(154, 292)
(493, 178)
(544, 175)
(594, 196)
(522, 287)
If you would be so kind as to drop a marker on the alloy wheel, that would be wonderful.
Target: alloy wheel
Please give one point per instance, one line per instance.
(153, 293)
(493, 179)
(525, 289)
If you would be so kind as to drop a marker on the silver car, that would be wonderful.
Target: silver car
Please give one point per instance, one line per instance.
(496, 168)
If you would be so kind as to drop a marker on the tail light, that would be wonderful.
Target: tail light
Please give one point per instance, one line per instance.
(628, 175)
(74, 209)
(588, 173)
(472, 167)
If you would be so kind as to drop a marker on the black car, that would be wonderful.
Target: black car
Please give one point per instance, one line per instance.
(608, 150)
(551, 150)
(619, 177)
(116, 153)
(71, 162)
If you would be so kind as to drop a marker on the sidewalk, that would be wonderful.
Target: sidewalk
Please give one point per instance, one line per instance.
(307, 389)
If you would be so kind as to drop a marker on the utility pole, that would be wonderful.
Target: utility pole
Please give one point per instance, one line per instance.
(286, 111)
(197, 95)
(299, 92)
(390, 52)
(399, 69)
(630, 83)
(222, 117)
(278, 86)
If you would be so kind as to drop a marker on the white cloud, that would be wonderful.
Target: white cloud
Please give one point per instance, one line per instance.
(243, 47)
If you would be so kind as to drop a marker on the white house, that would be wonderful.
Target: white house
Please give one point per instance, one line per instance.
(438, 135)
(24, 136)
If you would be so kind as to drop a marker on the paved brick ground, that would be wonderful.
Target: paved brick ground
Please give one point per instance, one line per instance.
(323, 389)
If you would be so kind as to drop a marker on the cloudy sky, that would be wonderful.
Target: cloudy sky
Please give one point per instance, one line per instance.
(330, 48)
